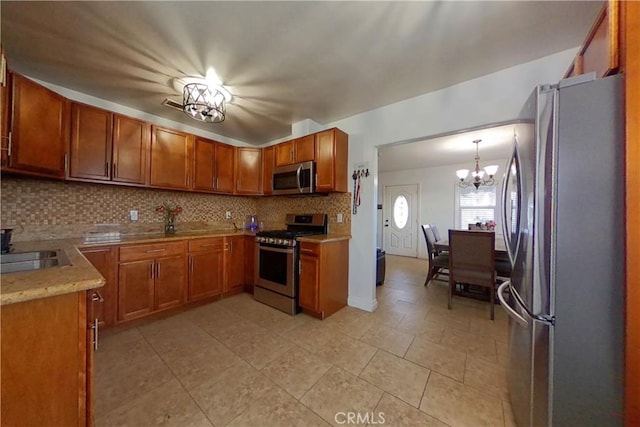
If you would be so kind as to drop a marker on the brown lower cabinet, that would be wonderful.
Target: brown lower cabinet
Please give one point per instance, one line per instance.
(104, 259)
(47, 361)
(324, 277)
(151, 277)
(206, 267)
(235, 264)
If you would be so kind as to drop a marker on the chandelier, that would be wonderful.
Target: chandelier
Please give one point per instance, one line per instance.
(477, 177)
(203, 102)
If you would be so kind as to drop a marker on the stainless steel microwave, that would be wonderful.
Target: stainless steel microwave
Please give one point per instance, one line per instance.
(298, 178)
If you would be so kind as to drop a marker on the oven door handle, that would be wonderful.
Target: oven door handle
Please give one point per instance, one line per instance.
(282, 251)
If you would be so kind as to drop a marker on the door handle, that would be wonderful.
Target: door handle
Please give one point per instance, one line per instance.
(505, 305)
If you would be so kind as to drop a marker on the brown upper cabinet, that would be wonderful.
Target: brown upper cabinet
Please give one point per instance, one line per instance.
(213, 166)
(332, 147)
(600, 51)
(295, 151)
(248, 170)
(38, 133)
(267, 170)
(170, 158)
(108, 147)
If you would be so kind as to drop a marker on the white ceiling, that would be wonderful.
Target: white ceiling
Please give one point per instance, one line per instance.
(496, 144)
(283, 61)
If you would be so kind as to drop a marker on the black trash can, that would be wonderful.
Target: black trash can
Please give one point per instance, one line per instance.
(380, 266)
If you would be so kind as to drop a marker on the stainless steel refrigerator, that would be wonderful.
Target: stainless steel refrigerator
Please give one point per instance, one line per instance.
(563, 221)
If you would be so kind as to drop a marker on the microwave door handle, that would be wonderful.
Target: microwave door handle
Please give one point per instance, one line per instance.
(298, 178)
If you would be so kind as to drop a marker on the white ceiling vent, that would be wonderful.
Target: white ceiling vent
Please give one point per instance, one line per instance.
(172, 104)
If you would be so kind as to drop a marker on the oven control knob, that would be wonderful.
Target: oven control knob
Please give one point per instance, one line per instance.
(278, 241)
(270, 240)
(258, 239)
(285, 242)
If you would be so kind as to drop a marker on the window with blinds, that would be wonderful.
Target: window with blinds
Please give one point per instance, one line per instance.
(476, 205)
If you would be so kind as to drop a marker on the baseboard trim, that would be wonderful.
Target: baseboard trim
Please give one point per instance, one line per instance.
(363, 304)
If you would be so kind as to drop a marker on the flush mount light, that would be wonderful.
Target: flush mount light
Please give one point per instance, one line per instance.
(477, 175)
(202, 100)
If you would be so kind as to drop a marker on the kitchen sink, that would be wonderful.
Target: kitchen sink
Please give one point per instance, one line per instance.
(29, 261)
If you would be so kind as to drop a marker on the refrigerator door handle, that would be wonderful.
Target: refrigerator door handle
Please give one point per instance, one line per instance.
(505, 305)
(505, 228)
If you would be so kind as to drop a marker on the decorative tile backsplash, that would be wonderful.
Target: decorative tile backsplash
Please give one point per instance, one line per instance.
(43, 209)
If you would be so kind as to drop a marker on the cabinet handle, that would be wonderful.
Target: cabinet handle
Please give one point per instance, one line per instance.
(106, 168)
(150, 251)
(113, 170)
(151, 270)
(66, 162)
(231, 246)
(308, 250)
(95, 334)
(97, 297)
(300, 266)
(191, 265)
(157, 270)
(208, 245)
(216, 182)
(8, 138)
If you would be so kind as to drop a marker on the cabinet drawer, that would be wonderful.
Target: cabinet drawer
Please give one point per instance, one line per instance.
(198, 245)
(309, 248)
(154, 250)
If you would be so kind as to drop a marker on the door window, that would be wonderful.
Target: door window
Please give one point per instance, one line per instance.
(400, 212)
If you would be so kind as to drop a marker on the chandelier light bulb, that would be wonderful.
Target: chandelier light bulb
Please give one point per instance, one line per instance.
(478, 177)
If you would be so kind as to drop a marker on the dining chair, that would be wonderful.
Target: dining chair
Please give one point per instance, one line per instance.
(436, 233)
(472, 261)
(437, 261)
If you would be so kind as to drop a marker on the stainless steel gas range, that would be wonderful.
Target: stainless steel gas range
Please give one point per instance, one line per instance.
(277, 262)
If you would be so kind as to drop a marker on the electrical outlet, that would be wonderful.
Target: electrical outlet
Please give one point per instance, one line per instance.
(133, 215)
(227, 214)
(339, 218)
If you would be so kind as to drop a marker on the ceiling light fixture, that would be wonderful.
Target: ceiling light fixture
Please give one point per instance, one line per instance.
(202, 99)
(477, 176)
(204, 103)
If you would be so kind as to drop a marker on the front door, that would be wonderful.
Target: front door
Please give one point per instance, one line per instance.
(400, 228)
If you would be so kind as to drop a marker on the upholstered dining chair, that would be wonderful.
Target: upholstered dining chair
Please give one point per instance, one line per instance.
(437, 262)
(436, 233)
(472, 261)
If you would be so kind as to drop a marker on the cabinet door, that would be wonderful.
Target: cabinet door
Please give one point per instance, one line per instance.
(103, 259)
(284, 153)
(248, 170)
(39, 129)
(309, 282)
(170, 157)
(5, 106)
(203, 164)
(235, 263)
(90, 147)
(135, 289)
(131, 139)
(225, 159)
(206, 273)
(331, 161)
(170, 274)
(267, 170)
(305, 149)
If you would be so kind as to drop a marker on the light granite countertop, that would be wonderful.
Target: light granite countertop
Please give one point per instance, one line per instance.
(80, 275)
(324, 238)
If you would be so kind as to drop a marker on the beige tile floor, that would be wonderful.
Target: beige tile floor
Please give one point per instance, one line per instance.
(237, 362)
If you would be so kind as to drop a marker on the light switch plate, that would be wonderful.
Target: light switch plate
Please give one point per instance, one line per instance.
(339, 218)
(227, 214)
(133, 215)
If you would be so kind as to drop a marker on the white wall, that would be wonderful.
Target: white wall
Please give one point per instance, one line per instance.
(495, 98)
(437, 194)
